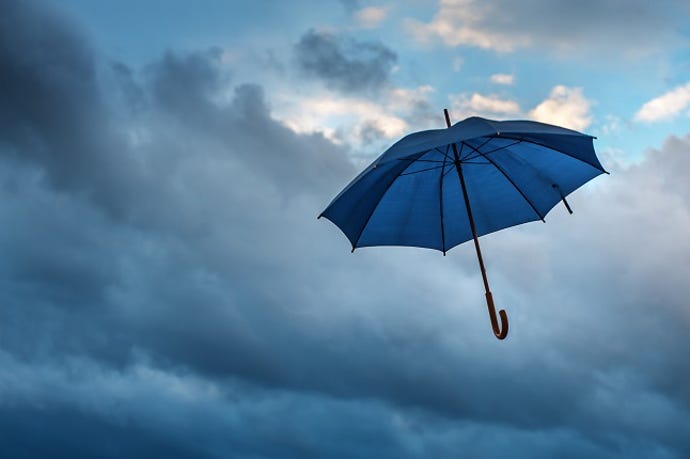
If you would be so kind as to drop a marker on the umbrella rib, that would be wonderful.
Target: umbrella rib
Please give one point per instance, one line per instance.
(494, 150)
(419, 155)
(420, 160)
(524, 196)
(488, 139)
(445, 155)
(448, 157)
(556, 150)
(422, 170)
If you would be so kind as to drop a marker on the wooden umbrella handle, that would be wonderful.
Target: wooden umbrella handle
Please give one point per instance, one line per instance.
(502, 331)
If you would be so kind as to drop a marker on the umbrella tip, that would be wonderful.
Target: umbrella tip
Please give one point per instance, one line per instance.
(447, 116)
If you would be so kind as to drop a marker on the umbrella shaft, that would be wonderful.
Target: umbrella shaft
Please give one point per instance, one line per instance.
(458, 168)
(473, 227)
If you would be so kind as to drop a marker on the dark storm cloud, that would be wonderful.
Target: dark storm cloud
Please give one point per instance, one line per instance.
(56, 270)
(52, 112)
(345, 64)
(184, 87)
(214, 316)
(186, 84)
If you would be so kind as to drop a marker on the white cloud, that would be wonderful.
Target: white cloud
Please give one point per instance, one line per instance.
(503, 78)
(400, 98)
(352, 119)
(371, 16)
(483, 105)
(666, 106)
(461, 22)
(565, 106)
(317, 111)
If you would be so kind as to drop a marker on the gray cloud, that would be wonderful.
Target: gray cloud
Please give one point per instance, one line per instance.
(187, 84)
(590, 28)
(212, 315)
(53, 113)
(130, 92)
(345, 64)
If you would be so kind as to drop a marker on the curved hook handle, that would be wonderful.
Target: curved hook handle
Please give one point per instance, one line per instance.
(502, 331)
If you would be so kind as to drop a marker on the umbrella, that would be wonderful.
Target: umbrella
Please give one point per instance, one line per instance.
(439, 188)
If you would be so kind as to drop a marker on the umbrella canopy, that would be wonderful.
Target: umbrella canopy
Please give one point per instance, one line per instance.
(440, 188)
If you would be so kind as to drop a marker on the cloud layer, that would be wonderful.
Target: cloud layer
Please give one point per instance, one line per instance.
(167, 289)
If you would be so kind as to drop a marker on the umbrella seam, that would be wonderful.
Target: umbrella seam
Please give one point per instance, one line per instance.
(388, 187)
(524, 196)
(559, 151)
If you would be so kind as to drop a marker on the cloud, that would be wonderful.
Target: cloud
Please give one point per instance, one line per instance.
(481, 105)
(187, 84)
(345, 64)
(371, 16)
(367, 125)
(503, 78)
(42, 79)
(666, 106)
(214, 316)
(566, 107)
(359, 105)
(633, 28)
(462, 22)
(318, 108)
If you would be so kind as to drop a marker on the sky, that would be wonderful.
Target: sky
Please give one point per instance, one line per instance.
(167, 291)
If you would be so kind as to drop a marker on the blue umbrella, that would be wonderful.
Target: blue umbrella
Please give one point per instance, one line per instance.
(439, 188)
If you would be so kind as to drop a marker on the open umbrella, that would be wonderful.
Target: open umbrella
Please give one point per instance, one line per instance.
(442, 187)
